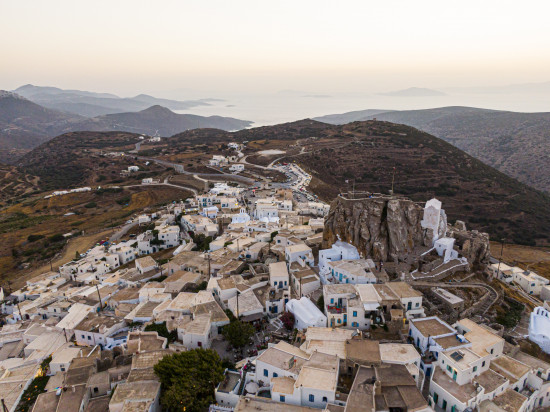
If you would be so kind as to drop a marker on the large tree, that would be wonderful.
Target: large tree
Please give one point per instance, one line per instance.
(238, 333)
(188, 379)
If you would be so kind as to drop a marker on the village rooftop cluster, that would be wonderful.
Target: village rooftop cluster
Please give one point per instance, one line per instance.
(256, 255)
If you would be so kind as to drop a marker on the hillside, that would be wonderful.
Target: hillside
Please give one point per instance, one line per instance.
(92, 104)
(514, 143)
(24, 124)
(76, 159)
(158, 118)
(363, 154)
(359, 155)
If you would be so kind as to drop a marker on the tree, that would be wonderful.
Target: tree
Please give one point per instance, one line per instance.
(273, 234)
(188, 379)
(162, 331)
(238, 333)
(321, 303)
(288, 320)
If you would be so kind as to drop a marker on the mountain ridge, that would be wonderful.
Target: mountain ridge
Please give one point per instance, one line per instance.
(513, 142)
(25, 124)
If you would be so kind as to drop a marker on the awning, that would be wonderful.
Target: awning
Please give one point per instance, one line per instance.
(371, 306)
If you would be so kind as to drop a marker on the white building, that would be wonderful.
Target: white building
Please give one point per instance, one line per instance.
(350, 271)
(278, 275)
(300, 253)
(339, 251)
(530, 282)
(539, 328)
(445, 248)
(306, 313)
(196, 333)
(236, 168)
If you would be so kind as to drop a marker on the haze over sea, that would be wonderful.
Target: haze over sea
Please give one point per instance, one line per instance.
(270, 109)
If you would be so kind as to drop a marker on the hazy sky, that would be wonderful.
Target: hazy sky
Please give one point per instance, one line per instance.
(128, 47)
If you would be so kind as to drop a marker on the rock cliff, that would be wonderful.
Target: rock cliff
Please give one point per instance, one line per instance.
(382, 227)
(389, 228)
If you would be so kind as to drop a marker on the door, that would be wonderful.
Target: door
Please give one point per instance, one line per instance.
(454, 375)
(444, 405)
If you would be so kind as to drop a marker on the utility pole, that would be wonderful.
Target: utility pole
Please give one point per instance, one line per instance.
(208, 257)
(99, 295)
(501, 254)
(300, 286)
(65, 333)
(4, 408)
(238, 293)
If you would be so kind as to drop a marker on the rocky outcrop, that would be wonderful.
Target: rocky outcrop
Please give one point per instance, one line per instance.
(389, 228)
(381, 227)
(471, 244)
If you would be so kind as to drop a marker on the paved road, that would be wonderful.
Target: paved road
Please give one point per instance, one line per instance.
(122, 231)
(209, 176)
(165, 183)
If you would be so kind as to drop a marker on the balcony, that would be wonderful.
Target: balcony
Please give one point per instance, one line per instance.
(337, 309)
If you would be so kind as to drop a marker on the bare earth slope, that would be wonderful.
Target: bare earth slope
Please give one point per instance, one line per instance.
(514, 143)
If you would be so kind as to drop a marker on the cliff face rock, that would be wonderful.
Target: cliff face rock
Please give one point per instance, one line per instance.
(389, 228)
(384, 228)
(473, 245)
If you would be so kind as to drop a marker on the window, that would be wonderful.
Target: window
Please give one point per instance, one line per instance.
(475, 368)
(483, 364)
(312, 398)
(339, 320)
(266, 372)
(354, 313)
(83, 337)
(449, 368)
(417, 304)
(282, 398)
(89, 338)
(492, 351)
(275, 374)
(275, 283)
(325, 399)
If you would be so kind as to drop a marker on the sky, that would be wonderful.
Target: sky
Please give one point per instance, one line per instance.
(130, 47)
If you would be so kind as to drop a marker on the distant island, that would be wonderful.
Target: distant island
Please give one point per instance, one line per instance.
(414, 92)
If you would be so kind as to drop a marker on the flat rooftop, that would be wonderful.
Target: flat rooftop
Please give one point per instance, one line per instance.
(267, 405)
(490, 380)
(461, 392)
(398, 352)
(319, 379)
(447, 296)
(432, 326)
(510, 400)
(509, 366)
(404, 290)
(450, 342)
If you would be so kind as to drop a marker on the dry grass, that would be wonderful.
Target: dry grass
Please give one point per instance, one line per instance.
(94, 222)
(526, 257)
